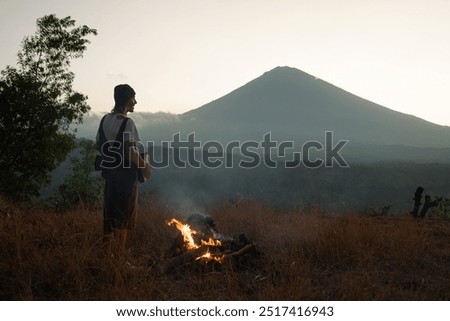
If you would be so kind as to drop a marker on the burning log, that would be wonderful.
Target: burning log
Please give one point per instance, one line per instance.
(201, 253)
(181, 260)
(205, 245)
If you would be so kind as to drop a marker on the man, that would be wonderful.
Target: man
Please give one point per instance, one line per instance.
(116, 140)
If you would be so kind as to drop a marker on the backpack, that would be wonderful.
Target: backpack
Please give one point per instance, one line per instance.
(111, 155)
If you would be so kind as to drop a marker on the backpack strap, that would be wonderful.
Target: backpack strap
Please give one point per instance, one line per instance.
(119, 137)
(102, 138)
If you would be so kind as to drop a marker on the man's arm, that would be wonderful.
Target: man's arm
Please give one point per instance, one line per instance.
(136, 158)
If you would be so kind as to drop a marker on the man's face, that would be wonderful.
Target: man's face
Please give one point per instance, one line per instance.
(130, 104)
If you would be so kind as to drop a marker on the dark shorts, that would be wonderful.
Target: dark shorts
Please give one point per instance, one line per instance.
(120, 200)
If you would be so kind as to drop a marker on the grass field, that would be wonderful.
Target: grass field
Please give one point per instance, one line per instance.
(310, 255)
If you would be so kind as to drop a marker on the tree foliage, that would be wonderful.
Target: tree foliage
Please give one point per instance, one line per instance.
(84, 186)
(38, 104)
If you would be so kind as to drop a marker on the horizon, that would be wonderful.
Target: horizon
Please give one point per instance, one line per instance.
(182, 55)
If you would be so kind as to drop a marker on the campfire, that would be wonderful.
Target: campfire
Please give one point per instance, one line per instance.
(200, 242)
(190, 243)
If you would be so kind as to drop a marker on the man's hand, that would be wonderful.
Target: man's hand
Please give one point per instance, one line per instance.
(146, 171)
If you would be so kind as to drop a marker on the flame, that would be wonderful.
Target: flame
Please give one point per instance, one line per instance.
(209, 257)
(212, 242)
(187, 233)
(189, 242)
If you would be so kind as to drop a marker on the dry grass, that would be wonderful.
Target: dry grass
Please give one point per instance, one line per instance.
(306, 256)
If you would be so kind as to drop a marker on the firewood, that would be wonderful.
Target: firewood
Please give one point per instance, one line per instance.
(182, 259)
(191, 256)
(242, 251)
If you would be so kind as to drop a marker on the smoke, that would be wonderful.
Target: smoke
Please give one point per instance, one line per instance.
(179, 198)
(185, 206)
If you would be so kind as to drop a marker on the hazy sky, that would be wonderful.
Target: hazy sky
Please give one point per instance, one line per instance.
(179, 55)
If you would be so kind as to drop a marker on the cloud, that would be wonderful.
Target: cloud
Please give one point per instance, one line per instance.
(142, 120)
(114, 75)
(159, 118)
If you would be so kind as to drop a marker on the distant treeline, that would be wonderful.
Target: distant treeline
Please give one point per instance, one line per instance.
(361, 186)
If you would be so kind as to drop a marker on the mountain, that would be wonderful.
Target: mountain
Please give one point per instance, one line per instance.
(297, 106)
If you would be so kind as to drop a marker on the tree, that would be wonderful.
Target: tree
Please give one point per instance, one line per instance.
(84, 186)
(38, 104)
